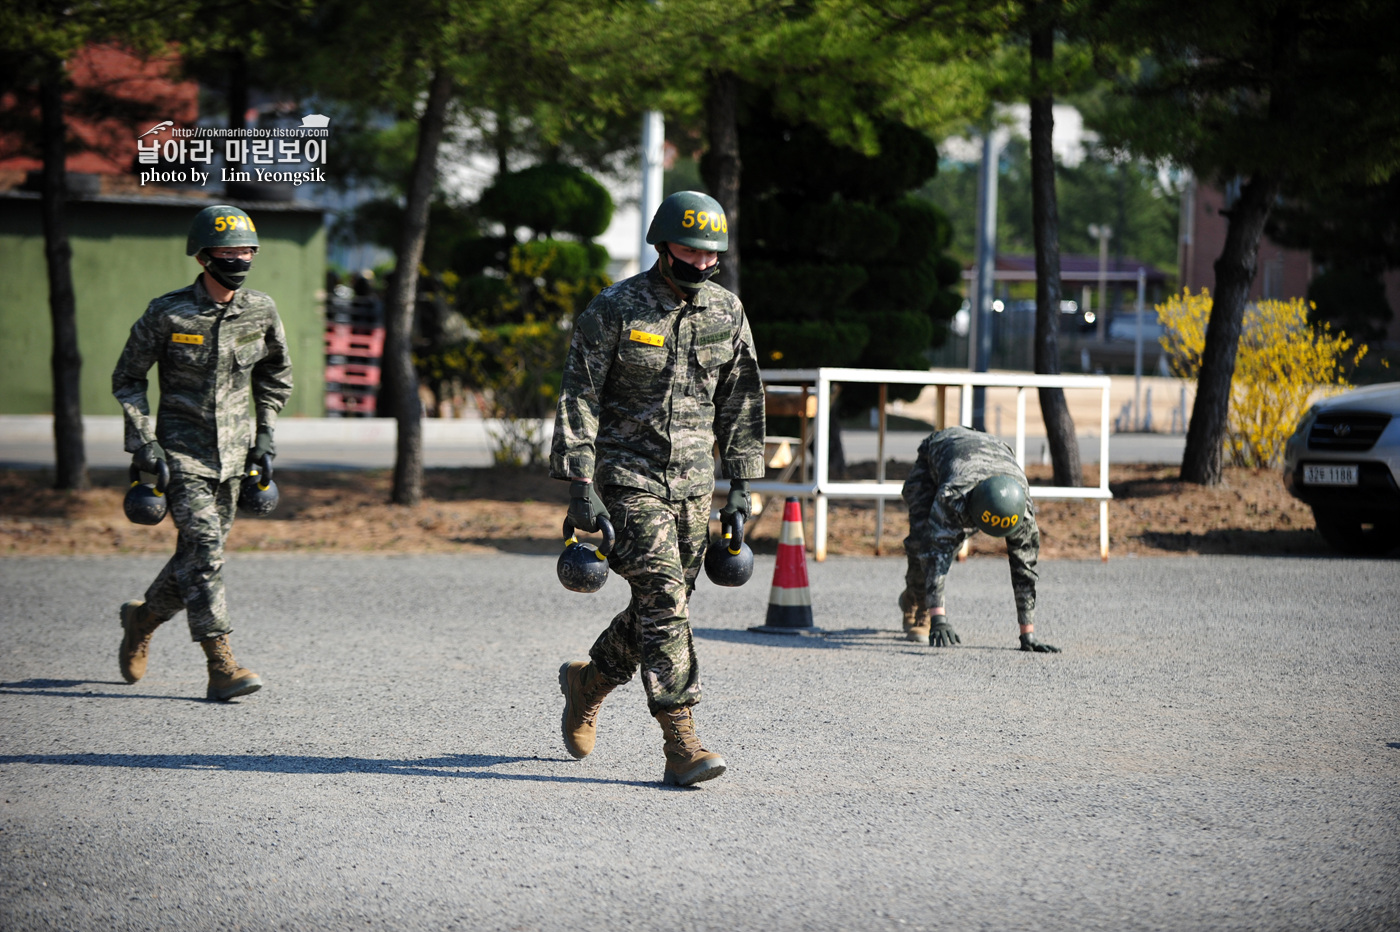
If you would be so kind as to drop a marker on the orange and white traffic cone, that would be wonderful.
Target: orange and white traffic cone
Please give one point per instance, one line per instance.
(790, 600)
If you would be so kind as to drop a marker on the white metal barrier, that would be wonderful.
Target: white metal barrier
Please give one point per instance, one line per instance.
(821, 488)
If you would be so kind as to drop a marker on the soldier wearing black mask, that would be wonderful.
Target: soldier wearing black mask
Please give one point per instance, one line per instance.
(220, 349)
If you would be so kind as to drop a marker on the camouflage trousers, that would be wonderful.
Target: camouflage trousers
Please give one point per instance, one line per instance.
(659, 551)
(921, 580)
(193, 579)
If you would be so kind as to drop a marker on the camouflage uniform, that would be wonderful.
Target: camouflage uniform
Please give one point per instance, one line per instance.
(651, 386)
(950, 462)
(212, 358)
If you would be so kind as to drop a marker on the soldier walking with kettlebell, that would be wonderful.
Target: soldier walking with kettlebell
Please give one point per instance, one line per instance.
(964, 481)
(215, 343)
(661, 370)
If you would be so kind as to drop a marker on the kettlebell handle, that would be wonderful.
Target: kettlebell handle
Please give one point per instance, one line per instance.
(604, 525)
(162, 475)
(264, 464)
(734, 534)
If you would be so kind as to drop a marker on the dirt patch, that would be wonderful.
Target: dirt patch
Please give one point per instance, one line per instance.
(1152, 514)
(479, 510)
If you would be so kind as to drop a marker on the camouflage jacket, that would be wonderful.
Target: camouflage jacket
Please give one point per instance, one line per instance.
(209, 357)
(957, 459)
(652, 383)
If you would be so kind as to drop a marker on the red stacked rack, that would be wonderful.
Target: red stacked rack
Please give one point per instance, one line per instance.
(354, 346)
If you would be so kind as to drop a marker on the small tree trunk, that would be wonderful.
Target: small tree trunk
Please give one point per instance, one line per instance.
(70, 456)
(1045, 219)
(236, 94)
(1234, 273)
(500, 141)
(722, 114)
(398, 364)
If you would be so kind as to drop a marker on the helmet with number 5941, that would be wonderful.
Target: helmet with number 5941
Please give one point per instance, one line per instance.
(221, 225)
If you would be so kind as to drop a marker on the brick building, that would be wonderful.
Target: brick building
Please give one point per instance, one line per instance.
(1282, 273)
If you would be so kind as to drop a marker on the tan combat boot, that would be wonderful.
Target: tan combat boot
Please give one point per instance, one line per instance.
(227, 680)
(916, 620)
(687, 762)
(138, 624)
(584, 690)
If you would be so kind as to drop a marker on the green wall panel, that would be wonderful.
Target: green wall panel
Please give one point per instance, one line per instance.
(125, 254)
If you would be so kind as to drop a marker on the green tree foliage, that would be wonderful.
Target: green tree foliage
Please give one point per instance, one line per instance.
(1353, 300)
(1127, 194)
(1357, 224)
(1279, 94)
(1353, 233)
(237, 47)
(417, 60)
(843, 267)
(36, 42)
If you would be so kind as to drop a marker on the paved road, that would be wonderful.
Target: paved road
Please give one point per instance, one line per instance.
(1218, 747)
(328, 443)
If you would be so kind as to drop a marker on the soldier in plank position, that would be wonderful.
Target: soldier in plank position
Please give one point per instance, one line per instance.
(965, 481)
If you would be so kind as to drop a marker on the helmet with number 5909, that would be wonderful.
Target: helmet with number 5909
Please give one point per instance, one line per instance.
(997, 505)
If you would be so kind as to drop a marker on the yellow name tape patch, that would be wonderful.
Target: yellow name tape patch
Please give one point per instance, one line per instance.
(650, 339)
(196, 339)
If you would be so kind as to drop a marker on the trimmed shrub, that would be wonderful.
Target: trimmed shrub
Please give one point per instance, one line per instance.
(549, 198)
(802, 344)
(798, 291)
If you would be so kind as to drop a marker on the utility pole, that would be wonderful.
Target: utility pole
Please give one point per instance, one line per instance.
(1103, 232)
(1137, 349)
(979, 331)
(653, 159)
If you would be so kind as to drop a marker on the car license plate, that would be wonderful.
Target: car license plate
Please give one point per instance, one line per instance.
(1330, 475)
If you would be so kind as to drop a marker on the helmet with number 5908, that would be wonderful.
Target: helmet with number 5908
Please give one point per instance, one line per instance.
(692, 219)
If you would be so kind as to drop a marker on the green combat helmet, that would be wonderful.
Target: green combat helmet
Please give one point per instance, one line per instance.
(221, 225)
(997, 504)
(692, 219)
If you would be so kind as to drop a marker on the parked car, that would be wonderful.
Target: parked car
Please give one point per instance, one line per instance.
(1123, 326)
(1343, 461)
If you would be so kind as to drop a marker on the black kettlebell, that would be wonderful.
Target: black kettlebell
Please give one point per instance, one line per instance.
(145, 503)
(583, 567)
(728, 560)
(258, 495)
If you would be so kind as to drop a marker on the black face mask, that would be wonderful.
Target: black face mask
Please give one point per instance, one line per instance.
(228, 272)
(686, 276)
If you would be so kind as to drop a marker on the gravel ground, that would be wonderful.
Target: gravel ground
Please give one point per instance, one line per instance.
(1218, 747)
(519, 511)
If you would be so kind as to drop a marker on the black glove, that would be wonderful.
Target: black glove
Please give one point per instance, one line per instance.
(148, 458)
(262, 446)
(942, 633)
(585, 507)
(738, 503)
(1029, 643)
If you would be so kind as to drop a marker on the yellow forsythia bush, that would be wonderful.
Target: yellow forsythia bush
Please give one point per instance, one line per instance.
(1282, 360)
